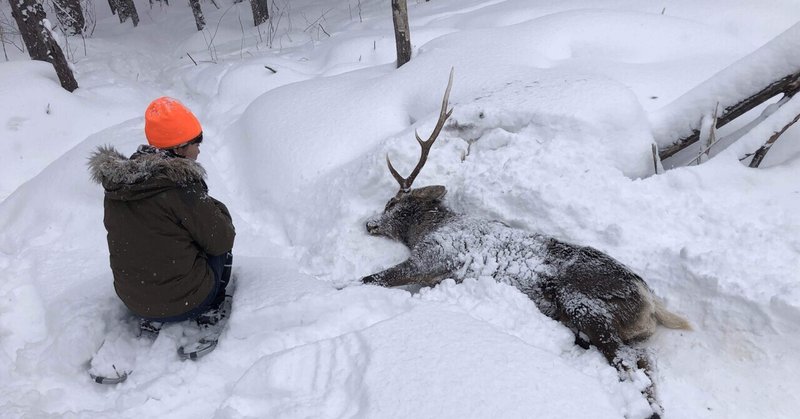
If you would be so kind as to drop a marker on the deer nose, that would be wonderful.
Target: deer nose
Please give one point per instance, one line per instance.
(372, 226)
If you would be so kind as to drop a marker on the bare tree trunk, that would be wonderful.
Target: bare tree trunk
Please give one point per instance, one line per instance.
(30, 15)
(70, 16)
(199, 19)
(260, 11)
(126, 9)
(402, 37)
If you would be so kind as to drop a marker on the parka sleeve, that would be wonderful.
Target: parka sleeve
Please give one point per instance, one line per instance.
(207, 220)
(222, 208)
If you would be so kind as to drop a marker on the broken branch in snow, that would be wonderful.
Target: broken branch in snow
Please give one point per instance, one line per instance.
(762, 152)
(656, 160)
(708, 130)
(711, 139)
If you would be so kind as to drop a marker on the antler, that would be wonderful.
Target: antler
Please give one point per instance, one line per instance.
(405, 183)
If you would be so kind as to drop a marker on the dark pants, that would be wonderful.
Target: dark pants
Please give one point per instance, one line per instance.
(221, 266)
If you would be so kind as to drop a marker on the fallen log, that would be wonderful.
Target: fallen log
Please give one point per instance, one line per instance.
(787, 86)
(769, 71)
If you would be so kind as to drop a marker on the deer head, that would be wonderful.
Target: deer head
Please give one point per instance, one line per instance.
(411, 214)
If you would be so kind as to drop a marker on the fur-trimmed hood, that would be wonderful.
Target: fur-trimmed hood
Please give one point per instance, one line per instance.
(145, 173)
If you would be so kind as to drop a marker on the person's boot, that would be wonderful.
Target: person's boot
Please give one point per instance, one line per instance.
(218, 315)
(149, 328)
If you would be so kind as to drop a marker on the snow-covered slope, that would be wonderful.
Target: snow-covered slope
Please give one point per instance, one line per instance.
(554, 104)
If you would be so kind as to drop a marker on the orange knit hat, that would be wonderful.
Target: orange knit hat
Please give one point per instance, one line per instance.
(168, 123)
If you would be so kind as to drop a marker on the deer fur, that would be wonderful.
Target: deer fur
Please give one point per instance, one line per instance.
(598, 298)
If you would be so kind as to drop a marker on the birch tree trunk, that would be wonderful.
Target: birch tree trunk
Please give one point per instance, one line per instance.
(402, 37)
(260, 11)
(126, 9)
(30, 17)
(199, 19)
(70, 15)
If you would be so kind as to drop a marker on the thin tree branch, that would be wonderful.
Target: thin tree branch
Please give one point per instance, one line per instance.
(762, 152)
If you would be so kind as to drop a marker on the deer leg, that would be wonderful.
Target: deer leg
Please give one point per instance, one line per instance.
(590, 319)
(406, 273)
(582, 340)
(597, 329)
(643, 363)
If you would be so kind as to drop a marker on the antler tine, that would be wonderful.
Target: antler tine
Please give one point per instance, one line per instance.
(444, 114)
(401, 180)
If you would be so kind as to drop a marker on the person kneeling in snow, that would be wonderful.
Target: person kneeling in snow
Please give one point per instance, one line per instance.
(169, 242)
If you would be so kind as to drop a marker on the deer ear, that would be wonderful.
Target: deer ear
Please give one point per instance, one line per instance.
(430, 192)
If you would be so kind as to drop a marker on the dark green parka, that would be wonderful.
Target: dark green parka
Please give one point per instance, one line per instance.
(161, 224)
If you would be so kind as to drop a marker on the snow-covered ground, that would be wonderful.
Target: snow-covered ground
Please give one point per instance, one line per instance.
(555, 104)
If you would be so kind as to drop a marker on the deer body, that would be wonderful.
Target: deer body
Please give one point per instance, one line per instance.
(466, 247)
(601, 300)
(567, 282)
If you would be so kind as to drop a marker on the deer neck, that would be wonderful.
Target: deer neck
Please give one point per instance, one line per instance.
(429, 221)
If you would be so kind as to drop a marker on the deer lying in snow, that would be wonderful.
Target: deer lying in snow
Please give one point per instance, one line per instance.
(597, 297)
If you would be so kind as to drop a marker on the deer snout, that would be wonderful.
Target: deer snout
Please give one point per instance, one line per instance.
(376, 225)
(373, 226)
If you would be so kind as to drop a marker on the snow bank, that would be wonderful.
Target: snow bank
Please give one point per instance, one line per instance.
(41, 121)
(397, 366)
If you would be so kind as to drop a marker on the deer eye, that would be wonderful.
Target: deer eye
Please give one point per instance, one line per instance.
(390, 204)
